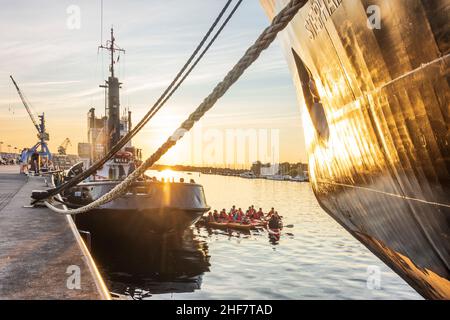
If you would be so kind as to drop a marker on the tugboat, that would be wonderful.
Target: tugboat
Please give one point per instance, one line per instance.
(149, 205)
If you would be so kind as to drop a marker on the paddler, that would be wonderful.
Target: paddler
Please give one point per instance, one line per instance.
(223, 215)
(250, 212)
(259, 215)
(274, 222)
(210, 217)
(277, 215)
(238, 215)
(270, 213)
(216, 215)
(241, 213)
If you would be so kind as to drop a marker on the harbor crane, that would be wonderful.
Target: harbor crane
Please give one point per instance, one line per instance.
(62, 149)
(42, 135)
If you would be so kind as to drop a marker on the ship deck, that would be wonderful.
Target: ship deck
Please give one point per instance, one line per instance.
(41, 253)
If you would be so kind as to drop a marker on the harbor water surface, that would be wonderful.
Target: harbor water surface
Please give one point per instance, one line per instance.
(315, 258)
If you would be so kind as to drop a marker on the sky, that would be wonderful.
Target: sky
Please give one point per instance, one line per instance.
(57, 65)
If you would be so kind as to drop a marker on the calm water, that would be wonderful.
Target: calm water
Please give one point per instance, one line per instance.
(315, 258)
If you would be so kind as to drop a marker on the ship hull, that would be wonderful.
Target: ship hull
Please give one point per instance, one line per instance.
(375, 103)
(147, 208)
(132, 223)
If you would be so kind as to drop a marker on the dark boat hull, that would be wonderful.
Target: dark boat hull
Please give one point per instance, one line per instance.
(376, 105)
(148, 207)
(133, 223)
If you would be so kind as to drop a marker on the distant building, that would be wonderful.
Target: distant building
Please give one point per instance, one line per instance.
(84, 150)
(285, 168)
(269, 169)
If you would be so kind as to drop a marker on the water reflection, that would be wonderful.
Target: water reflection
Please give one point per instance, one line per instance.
(315, 258)
(153, 264)
(230, 233)
(274, 237)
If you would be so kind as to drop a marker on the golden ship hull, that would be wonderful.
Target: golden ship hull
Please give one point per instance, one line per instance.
(373, 81)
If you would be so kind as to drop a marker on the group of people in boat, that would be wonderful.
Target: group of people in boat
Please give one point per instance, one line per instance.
(251, 215)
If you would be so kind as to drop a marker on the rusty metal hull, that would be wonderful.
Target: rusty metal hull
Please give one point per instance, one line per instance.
(375, 102)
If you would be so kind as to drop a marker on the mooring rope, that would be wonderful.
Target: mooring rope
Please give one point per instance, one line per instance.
(264, 40)
(200, 56)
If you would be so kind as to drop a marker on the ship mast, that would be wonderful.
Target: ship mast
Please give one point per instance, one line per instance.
(113, 86)
(112, 48)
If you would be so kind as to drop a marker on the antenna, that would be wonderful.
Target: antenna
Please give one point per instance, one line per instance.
(112, 48)
(101, 21)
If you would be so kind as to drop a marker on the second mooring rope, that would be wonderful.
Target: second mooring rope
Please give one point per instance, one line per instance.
(264, 40)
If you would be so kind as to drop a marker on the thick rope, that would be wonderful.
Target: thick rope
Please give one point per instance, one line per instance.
(200, 56)
(265, 39)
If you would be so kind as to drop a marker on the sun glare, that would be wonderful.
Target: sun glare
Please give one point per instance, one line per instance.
(167, 174)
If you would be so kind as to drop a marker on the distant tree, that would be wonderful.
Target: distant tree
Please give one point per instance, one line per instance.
(256, 168)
